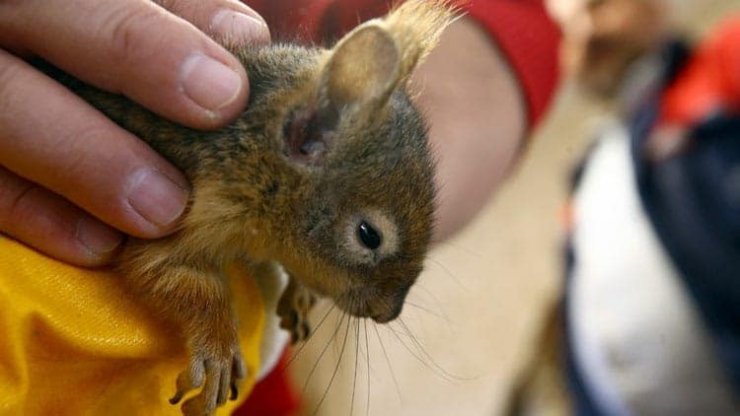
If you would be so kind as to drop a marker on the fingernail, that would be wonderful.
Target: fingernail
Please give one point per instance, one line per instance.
(233, 26)
(209, 83)
(156, 198)
(97, 237)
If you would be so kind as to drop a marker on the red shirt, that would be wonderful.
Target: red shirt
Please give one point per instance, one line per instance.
(709, 82)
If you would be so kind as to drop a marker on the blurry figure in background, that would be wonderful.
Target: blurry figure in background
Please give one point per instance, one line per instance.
(649, 322)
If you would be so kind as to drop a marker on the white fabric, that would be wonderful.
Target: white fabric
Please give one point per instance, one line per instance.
(638, 340)
(272, 281)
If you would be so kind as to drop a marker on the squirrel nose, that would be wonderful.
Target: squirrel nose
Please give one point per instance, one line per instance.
(388, 311)
(388, 316)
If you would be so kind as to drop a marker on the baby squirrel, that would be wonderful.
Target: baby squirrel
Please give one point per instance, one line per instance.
(327, 173)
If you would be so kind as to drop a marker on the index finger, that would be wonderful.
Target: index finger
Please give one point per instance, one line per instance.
(138, 49)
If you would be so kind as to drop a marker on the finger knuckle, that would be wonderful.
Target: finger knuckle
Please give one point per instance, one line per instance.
(189, 10)
(76, 148)
(167, 4)
(9, 76)
(131, 32)
(10, 11)
(15, 197)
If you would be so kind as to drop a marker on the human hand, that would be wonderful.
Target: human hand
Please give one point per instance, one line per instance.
(71, 181)
(602, 38)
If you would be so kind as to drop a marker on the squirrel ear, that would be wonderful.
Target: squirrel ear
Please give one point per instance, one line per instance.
(369, 62)
(361, 72)
(362, 68)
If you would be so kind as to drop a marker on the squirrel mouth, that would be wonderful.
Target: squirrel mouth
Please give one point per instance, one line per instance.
(385, 318)
(381, 310)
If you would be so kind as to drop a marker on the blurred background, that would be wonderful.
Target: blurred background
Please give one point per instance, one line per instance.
(471, 320)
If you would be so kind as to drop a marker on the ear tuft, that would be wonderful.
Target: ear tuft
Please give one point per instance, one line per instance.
(416, 26)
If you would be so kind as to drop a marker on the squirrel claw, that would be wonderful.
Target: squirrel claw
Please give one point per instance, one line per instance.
(293, 309)
(234, 392)
(189, 380)
(219, 377)
(176, 398)
(238, 372)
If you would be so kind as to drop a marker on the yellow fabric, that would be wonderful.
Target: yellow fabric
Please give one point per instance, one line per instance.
(73, 342)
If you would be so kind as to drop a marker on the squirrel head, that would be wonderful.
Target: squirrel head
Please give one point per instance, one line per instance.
(362, 218)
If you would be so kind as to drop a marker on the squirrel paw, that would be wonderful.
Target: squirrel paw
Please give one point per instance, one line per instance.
(221, 374)
(293, 309)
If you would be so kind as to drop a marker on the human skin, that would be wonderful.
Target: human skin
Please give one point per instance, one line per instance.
(72, 183)
(601, 39)
(477, 117)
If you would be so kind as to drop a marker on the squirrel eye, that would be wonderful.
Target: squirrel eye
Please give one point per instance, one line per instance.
(369, 237)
